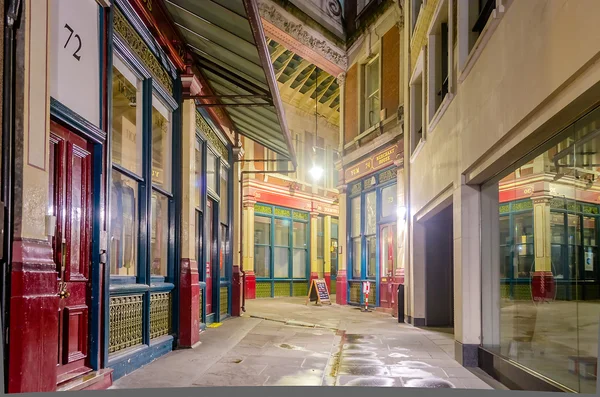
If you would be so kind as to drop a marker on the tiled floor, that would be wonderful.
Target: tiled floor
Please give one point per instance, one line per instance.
(274, 344)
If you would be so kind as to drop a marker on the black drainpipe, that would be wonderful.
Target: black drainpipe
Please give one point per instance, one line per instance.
(12, 10)
(242, 212)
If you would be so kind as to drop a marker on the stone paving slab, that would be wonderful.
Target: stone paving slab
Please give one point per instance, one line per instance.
(354, 349)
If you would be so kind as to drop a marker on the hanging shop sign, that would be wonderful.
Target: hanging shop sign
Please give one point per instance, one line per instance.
(318, 292)
(75, 56)
(376, 162)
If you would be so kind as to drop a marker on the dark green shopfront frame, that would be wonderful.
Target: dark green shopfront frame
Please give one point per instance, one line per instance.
(270, 286)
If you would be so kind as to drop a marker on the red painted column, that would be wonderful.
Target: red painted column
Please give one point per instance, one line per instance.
(250, 284)
(341, 288)
(189, 303)
(327, 277)
(236, 292)
(33, 332)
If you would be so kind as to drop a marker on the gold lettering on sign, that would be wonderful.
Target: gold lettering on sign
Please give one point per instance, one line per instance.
(148, 4)
(528, 190)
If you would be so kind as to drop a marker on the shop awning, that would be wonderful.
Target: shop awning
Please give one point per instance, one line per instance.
(228, 42)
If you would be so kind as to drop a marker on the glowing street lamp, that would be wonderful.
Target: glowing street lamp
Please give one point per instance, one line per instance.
(316, 171)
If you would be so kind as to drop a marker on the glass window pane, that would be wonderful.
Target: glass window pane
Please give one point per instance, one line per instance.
(372, 76)
(299, 263)
(388, 201)
(356, 259)
(223, 252)
(282, 232)
(281, 264)
(126, 120)
(211, 169)
(355, 208)
(224, 195)
(388, 251)
(161, 144)
(159, 238)
(198, 170)
(262, 259)
(371, 258)
(300, 235)
(370, 213)
(124, 225)
(262, 230)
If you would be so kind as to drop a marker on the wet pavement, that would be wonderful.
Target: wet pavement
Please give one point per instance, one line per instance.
(284, 342)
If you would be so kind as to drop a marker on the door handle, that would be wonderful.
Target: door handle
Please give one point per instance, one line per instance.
(62, 290)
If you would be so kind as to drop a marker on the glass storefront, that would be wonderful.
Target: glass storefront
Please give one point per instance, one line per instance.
(373, 211)
(281, 247)
(543, 305)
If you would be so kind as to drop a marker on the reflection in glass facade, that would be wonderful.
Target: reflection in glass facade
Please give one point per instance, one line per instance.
(546, 275)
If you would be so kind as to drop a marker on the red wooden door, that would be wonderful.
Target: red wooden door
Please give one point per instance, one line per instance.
(70, 200)
(209, 259)
(387, 260)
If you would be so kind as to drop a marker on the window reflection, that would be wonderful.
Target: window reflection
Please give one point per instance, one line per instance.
(159, 238)
(126, 134)
(549, 228)
(124, 225)
(161, 145)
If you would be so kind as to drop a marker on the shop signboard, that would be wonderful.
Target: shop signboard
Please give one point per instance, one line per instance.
(318, 292)
(381, 159)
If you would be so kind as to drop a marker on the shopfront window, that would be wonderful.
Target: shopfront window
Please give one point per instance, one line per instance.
(281, 250)
(300, 249)
(370, 233)
(355, 236)
(159, 239)
(224, 195)
(211, 170)
(126, 134)
(388, 201)
(124, 225)
(262, 246)
(198, 170)
(161, 145)
(542, 310)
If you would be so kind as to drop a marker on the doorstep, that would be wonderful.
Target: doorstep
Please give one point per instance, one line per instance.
(95, 380)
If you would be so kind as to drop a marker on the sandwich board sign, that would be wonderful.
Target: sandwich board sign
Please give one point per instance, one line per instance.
(318, 292)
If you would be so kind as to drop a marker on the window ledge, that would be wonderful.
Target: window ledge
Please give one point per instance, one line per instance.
(439, 113)
(481, 42)
(417, 150)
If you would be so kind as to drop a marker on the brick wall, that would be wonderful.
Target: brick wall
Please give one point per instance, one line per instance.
(351, 104)
(391, 70)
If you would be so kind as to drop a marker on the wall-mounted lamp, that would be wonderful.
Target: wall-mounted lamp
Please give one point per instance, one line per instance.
(316, 171)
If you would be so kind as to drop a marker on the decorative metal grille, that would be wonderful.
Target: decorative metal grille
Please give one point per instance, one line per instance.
(355, 292)
(355, 189)
(224, 300)
(263, 289)
(125, 327)
(282, 288)
(283, 212)
(302, 216)
(523, 205)
(262, 209)
(160, 314)
(387, 175)
(504, 208)
(216, 143)
(300, 288)
(368, 183)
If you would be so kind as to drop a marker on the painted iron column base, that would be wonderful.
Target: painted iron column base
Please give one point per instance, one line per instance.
(189, 304)
(341, 288)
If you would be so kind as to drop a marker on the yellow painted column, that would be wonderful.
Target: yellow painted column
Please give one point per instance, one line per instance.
(248, 249)
(341, 281)
(314, 265)
(541, 234)
(327, 249)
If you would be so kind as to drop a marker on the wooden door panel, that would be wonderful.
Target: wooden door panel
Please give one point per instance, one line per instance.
(76, 325)
(71, 203)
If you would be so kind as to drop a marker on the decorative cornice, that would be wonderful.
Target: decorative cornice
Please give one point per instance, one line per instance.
(297, 31)
(137, 45)
(211, 136)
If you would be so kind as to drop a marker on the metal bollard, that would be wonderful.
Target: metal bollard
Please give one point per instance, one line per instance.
(400, 303)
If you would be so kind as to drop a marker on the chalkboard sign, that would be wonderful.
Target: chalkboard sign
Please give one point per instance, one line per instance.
(318, 292)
